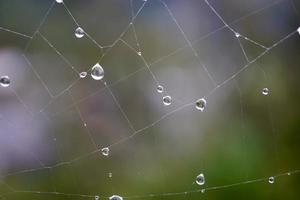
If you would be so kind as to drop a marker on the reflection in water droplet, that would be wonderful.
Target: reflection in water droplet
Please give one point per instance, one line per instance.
(4, 81)
(79, 32)
(97, 72)
(105, 151)
(200, 180)
(201, 104)
(167, 100)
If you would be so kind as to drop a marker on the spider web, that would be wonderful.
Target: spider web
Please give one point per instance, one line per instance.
(54, 123)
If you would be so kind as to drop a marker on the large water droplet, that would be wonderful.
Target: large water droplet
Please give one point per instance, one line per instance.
(105, 151)
(160, 89)
(167, 100)
(200, 180)
(271, 180)
(265, 91)
(82, 74)
(4, 81)
(59, 1)
(115, 197)
(97, 72)
(201, 104)
(79, 32)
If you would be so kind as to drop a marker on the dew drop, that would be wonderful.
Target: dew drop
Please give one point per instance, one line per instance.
(97, 72)
(59, 1)
(4, 81)
(265, 91)
(289, 173)
(105, 151)
(202, 191)
(298, 30)
(139, 53)
(237, 35)
(115, 197)
(200, 180)
(82, 74)
(79, 32)
(110, 175)
(271, 180)
(160, 89)
(167, 100)
(201, 104)
(97, 197)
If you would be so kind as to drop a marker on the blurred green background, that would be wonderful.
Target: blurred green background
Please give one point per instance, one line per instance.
(49, 116)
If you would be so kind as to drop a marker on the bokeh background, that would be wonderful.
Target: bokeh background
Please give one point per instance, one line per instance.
(49, 117)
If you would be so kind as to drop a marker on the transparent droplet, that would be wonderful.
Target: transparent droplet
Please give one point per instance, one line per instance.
(200, 180)
(97, 197)
(201, 104)
(82, 74)
(160, 89)
(298, 30)
(237, 35)
(289, 173)
(105, 151)
(271, 180)
(97, 72)
(203, 190)
(4, 81)
(59, 1)
(167, 100)
(115, 197)
(79, 32)
(139, 53)
(110, 175)
(265, 91)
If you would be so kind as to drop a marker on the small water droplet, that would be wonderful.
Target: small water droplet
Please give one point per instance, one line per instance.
(82, 74)
(97, 197)
(110, 175)
(160, 89)
(139, 53)
(59, 1)
(203, 190)
(79, 32)
(84, 124)
(237, 35)
(97, 72)
(289, 173)
(115, 197)
(265, 91)
(4, 81)
(200, 180)
(271, 180)
(201, 104)
(167, 100)
(105, 151)
(298, 30)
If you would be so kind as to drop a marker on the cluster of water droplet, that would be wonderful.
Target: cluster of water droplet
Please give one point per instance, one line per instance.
(4, 81)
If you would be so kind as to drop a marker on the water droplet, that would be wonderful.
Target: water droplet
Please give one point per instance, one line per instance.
(203, 190)
(167, 100)
(289, 173)
(105, 151)
(4, 81)
(271, 180)
(79, 32)
(115, 197)
(97, 72)
(160, 89)
(201, 104)
(298, 30)
(82, 74)
(59, 1)
(265, 91)
(200, 180)
(97, 197)
(237, 35)
(139, 53)
(110, 175)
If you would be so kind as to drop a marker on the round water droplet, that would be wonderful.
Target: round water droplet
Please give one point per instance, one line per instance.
(203, 190)
(97, 197)
(105, 151)
(237, 35)
(167, 100)
(4, 81)
(115, 197)
(160, 89)
(201, 104)
(271, 180)
(110, 175)
(59, 1)
(79, 32)
(265, 91)
(82, 74)
(139, 53)
(97, 72)
(200, 180)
